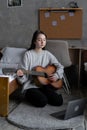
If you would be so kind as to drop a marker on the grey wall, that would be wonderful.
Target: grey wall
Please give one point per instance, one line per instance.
(17, 24)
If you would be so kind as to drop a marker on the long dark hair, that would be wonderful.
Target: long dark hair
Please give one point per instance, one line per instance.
(34, 38)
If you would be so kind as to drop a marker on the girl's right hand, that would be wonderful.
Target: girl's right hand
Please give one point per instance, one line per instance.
(20, 72)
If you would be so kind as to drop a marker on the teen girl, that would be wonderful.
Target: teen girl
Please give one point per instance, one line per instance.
(37, 57)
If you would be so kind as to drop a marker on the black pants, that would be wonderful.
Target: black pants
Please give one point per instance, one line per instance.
(39, 97)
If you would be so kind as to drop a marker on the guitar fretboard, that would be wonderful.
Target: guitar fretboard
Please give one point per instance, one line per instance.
(35, 73)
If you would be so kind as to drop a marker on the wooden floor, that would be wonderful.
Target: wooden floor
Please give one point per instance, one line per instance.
(4, 125)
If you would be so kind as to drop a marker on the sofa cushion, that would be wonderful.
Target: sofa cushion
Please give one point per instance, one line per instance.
(60, 49)
(12, 55)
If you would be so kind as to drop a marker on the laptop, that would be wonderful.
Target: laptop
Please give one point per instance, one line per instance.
(74, 108)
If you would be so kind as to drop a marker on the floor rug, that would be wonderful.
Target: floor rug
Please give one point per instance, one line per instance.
(28, 117)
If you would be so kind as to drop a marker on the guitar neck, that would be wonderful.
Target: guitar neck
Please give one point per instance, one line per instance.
(35, 73)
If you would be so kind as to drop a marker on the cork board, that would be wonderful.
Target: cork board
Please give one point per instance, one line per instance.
(64, 23)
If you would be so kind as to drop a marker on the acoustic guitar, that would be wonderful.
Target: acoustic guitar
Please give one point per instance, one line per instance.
(40, 74)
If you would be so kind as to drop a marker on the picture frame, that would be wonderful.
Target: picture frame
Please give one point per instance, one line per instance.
(14, 3)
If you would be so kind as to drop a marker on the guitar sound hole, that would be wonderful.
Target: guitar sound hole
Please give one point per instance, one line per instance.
(46, 76)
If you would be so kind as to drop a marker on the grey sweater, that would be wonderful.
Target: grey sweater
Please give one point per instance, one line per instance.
(32, 59)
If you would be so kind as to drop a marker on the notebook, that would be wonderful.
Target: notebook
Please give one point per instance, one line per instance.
(74, 108)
